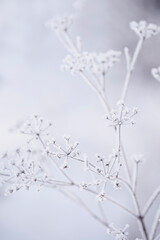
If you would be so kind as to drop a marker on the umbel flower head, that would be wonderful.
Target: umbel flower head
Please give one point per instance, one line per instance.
(144, 30)
(156, 73)
(97, 63)
(60, 23)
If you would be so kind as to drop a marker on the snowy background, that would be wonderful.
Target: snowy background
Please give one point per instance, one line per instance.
(31, 82)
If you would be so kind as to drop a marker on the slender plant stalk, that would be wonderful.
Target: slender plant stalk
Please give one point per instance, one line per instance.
(155, 225)
(130, 68)
(151, 201)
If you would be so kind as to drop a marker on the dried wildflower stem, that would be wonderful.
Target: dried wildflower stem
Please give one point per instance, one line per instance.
(75, 51)
(79, 201)
(54, 162)
(140, 217)
(101, 94)
(98, 92)
(135, 176)
(77, 185)
(4, 175)
(64, 42)
(151, 201)
(126, 162)
(113, 201)
(130, 68)
(102, 211)
(155, 225)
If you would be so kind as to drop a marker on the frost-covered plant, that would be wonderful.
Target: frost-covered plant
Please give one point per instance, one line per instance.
(32, 166)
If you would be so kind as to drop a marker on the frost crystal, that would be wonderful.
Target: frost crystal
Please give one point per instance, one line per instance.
(156, 73)
(144, 30)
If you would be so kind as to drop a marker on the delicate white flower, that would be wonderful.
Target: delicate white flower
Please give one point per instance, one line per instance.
(144, 30)
(60, 23)
(156, 73)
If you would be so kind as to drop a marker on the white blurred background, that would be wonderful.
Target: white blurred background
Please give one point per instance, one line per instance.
(31, 82)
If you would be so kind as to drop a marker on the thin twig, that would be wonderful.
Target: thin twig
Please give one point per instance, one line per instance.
(151, 201)
(155, 225)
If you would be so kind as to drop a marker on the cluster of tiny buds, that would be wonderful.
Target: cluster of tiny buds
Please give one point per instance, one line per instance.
(144, 30)
(60, 23)
(156, 73)
(122, 116)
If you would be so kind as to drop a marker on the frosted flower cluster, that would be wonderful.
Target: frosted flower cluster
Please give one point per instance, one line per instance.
(22, 169)
(60, 23)
(97, 63)
(156, 73)
(76, 64)
(102, 62)
(35, 127)
(122, 116)
(144, 30)
(64, 153)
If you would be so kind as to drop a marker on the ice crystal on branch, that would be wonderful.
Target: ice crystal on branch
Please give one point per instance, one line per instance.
(144, 30)
(156, 73)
